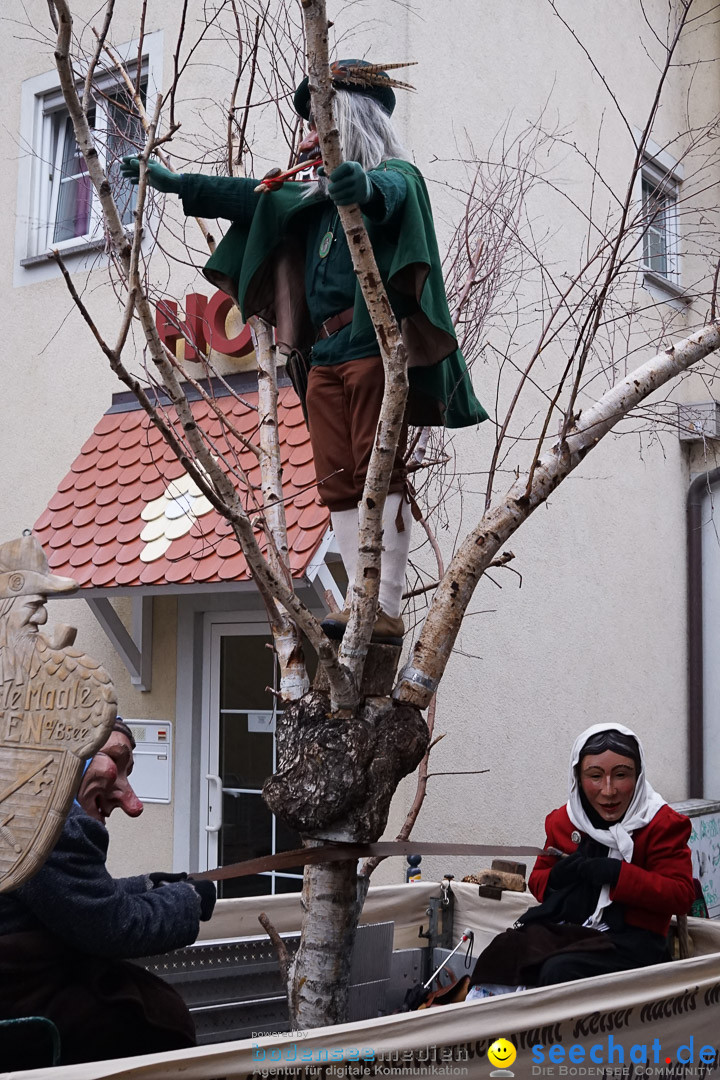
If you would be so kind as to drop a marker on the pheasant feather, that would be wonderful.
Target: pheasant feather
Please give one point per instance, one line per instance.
(370, 74)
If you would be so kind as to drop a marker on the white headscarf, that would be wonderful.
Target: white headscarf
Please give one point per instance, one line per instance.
(643, 807)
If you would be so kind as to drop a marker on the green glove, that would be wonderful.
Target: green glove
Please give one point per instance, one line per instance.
(349, 183)
(159, 177)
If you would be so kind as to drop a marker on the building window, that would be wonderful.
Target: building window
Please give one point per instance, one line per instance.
(660, 189)
(57, 204)
(69, 208)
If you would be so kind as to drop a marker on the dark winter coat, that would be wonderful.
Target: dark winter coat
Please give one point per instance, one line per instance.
(65, 936)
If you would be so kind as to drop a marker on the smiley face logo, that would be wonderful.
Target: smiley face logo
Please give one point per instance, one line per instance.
(502, 1053)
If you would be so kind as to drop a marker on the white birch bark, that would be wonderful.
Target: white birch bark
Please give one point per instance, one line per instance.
(320, 972)
(392, 350)
(294, 681)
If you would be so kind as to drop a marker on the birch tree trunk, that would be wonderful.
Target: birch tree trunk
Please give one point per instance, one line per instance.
(294, 681)
(392, 350)
(336, 779)
(341, 761)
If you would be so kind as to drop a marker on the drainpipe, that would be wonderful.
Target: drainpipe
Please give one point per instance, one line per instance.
(699, 487)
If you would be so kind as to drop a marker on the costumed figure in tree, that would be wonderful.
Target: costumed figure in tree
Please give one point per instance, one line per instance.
(285, 258)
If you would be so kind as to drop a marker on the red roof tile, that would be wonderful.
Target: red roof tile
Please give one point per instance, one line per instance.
(79, 518)
(84, 535)
(61, 537)
(129, 445)
(46, 517)
(301, 455)
(82, 498)
(60, 501)
(104, 515)
(128, 422)
(109, 422)
(110, 494)
(89, 446)
(83, 574)
(127, 513)
(86, 461)
(91, 529)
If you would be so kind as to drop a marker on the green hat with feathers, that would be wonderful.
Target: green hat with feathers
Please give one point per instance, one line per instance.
(359, 77)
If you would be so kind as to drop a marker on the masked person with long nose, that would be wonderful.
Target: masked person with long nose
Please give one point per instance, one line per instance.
(66, 934)
(617, 868)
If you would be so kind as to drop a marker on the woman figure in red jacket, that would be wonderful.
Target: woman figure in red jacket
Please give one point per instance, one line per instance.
(607, 900)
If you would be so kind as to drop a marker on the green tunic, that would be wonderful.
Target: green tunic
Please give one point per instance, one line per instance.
(265, 260)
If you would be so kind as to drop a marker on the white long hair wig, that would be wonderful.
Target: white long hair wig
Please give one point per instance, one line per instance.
(366, 132)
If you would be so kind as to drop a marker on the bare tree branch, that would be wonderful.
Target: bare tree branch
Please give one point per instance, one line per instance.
(90, 75)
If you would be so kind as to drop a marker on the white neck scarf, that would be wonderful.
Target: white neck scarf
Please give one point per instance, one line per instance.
(643, 807)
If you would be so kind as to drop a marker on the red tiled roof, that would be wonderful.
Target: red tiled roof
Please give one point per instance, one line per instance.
(128, 514)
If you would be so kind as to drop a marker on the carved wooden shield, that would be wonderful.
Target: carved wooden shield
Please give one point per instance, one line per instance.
(57, 708)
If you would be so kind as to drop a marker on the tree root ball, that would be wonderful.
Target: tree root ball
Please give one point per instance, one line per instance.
(342, 773)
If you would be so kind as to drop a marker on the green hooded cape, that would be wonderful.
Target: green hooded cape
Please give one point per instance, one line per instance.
(261, 264)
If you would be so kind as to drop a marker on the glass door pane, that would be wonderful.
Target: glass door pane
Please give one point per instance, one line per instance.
(244, 720)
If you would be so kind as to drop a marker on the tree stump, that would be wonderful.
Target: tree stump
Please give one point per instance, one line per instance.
(337, 774)
(381, 664)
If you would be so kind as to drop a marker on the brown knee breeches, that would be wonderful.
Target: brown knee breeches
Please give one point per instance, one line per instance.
(343, 403)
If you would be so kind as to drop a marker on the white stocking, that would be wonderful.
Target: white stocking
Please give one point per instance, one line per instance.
(346, 529)
(396, 548)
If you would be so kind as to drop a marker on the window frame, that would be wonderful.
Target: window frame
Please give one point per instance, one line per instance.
(38, 183)
(660, 166)
(665, 185)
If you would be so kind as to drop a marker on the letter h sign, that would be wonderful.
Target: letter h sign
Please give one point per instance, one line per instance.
(204, 327)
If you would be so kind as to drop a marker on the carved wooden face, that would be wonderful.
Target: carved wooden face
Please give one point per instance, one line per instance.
(106, 783)
(608, 783)
(25, 615)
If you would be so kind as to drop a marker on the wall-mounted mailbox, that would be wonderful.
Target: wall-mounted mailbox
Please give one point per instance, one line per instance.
(152, 775)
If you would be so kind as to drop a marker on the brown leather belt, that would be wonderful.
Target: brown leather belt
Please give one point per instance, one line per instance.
(335, 323)
(337, 852)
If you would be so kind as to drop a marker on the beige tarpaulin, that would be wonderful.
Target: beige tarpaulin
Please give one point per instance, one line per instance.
(655, 1022)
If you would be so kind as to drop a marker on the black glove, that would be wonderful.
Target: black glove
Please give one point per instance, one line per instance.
(565, 871)
(600, 871)
(160, 878)
(208, 895)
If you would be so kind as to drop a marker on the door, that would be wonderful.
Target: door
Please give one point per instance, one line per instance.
(238, 756)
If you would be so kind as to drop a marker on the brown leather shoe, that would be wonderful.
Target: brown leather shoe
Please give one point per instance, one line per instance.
(386, 631)
(334, 624)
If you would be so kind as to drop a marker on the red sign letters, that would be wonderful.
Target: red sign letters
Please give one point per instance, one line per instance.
(203, 328)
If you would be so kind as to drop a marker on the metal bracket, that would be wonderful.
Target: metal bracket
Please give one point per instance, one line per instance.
(135, 650)
(412, 675)
(318, 572)
(440, 910)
